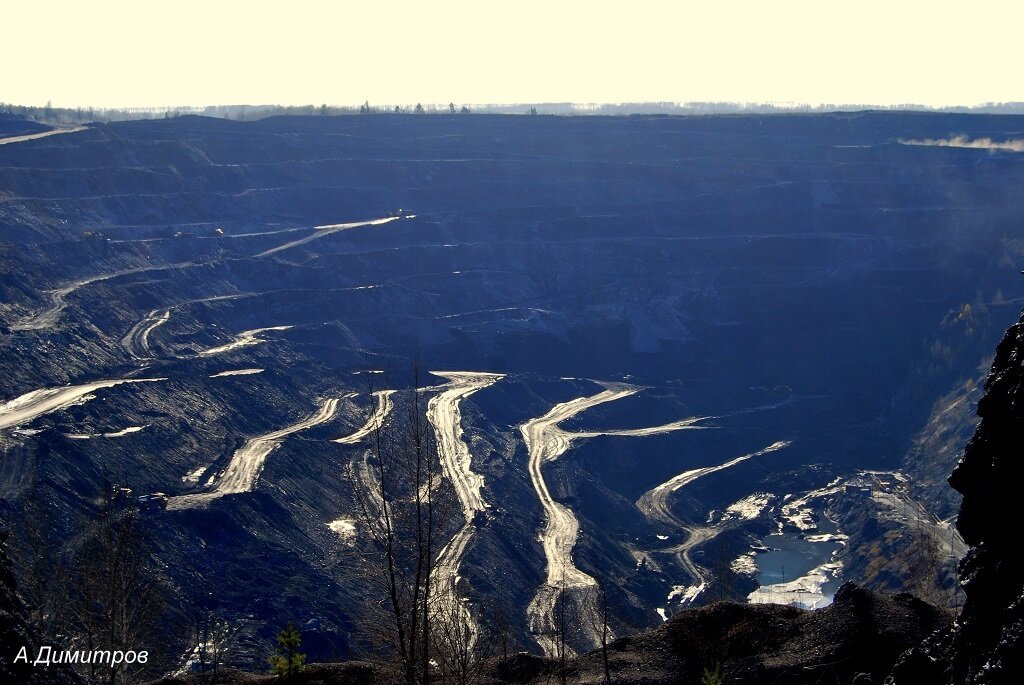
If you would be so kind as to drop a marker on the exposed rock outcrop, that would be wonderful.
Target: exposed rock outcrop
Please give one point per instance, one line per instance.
(862, 632)
(987, 643)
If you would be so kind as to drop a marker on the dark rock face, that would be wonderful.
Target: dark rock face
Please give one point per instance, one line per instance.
(859, 636)
(987, 643)
(15, 634)
(990, 640)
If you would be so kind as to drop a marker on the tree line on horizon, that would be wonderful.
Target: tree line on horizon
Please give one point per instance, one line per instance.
(49, 114)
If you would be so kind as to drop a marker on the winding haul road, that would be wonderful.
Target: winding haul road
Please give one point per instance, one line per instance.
(243, 471)
(136, 341)
(656, 506)
(444, 414)
(655, 502)
(243, 339)
(360, 474)
(376, 420)
(49, 317)
(34, 404)
(546, 442)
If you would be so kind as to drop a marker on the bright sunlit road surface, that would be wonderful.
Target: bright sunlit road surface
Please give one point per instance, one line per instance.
(243, 471)
(654, 503)
(33, 404)
(328, 229)
(243, 339)
(376, 420)
(546, 442)
(656, 506)
(444, 414)
(45, 134)
(136, 341)
(51, 315)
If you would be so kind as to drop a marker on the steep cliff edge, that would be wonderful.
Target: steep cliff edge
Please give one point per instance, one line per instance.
(986, 645)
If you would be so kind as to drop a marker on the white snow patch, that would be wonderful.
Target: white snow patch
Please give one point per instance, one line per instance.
(806, 592)
(114, 434)
(345, 528)
(661, 612)
(745, 564)
(799, 514)
(662, 537)
(684, 594)
(802, 519)
(194, 476)
(749, 507)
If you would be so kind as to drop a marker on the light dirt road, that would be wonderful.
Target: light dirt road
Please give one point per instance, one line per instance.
(34, 404)
(326, 230)
(655, 502)
(45, 134)
(384, 406)
(445, 415)
(136, 341)
(48, 317)
(656, 505)
(546, 442)
(237, 372)
(246, 465)
(894, 497)
(243, 339)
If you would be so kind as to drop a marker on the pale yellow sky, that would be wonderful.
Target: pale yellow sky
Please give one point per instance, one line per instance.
(114, 53)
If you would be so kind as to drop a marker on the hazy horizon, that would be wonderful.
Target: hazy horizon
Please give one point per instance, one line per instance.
(553, 107)
(114, 54)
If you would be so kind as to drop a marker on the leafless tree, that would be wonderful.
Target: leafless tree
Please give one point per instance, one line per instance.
(502, 631)
(209, 631)
(115, 597)
(398, 507)
(460, 651)
(561, 626)
(37, 559)
(600, 625)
